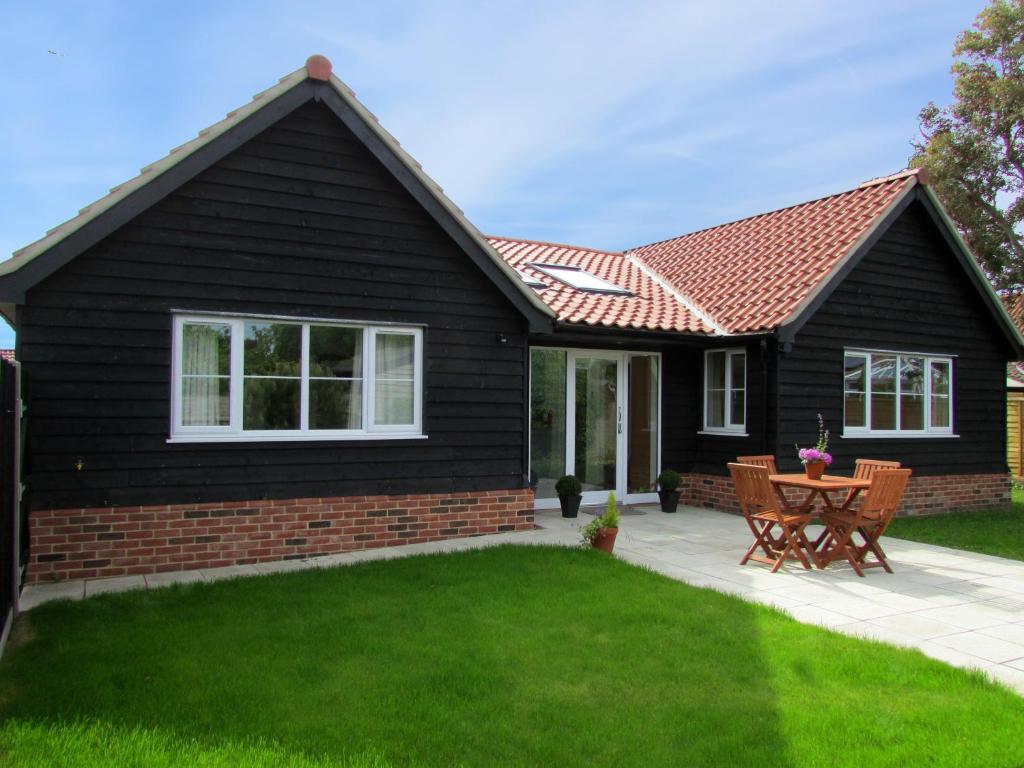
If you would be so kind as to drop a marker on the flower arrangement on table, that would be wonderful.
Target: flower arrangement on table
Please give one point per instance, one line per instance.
(817, 458)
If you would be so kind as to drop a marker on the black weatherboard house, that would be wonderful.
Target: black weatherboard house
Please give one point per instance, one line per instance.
(282, 339)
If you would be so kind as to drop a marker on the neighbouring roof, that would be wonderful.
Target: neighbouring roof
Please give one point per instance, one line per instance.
(753, 274)
(650, 304)
(1015, 375)
(317, 69)
(6, 354)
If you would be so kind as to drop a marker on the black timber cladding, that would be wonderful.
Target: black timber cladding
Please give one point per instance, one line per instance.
(302, 220)
(908, 293)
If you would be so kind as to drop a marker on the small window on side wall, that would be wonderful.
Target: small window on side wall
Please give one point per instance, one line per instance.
(725, 391)
(894, 394)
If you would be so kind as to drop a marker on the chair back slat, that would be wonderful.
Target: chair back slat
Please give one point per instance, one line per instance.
(768, 462)
(864, 469)
(883, 498)
(753, 488)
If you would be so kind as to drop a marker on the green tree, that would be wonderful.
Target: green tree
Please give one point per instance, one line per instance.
(974, 148)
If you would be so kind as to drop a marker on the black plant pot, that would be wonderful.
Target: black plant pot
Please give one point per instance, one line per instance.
(570, 505)
(669, 500)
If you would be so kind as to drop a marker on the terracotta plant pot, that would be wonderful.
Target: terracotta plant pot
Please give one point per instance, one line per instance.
(669, 500)
(814, 469)
(605, 540)
(570, 505)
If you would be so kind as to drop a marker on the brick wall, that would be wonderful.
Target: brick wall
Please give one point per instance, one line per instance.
(926, 495)
(118, 541)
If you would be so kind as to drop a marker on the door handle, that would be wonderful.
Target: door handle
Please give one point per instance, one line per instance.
(619, 424)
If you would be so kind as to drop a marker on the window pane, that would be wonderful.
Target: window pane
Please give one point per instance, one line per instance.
(716, 370)
(272, 349)
(642, 454)
(911, 411)
(395, 355)
(883, 411)
(737, 403)
(335, 404)
(854, 377)
(547, 420)
(911, 392)
(940, 378)
(393, 402)
(270, 404)
(940, 416)
(883, 374)
(205, 401)
(715, 394)
(737, 386)
(738, 375)
(883, 392)
(854, 409)
(206, 349)
(855, 382)
(716, 408)
(335, 352)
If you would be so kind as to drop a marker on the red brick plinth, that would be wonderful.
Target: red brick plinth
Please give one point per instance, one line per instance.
(119, 541)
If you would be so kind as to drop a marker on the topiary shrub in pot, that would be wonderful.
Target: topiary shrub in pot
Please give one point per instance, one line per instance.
(569, 490)
(668, 490)
(602, 531)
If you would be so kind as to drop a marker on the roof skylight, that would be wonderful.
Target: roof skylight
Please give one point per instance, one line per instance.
(578, 278)
(530, 280)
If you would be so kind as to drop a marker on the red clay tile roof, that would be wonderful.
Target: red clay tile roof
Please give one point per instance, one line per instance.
(1015, 375)
(1014, 304)
(650, 306)
(753, 274)
(7, 354)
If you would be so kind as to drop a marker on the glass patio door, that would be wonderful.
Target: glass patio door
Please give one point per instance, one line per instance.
(595, 414)
(595, 395)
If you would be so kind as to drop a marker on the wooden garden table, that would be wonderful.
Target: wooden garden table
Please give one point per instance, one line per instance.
(820, 489)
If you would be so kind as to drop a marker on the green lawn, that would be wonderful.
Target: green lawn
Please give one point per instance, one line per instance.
(506, 656)
(999, 533)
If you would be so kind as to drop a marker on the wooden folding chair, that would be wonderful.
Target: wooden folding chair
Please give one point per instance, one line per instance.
(768, 462)
(763, 511)
(864, 469)
(872, 516)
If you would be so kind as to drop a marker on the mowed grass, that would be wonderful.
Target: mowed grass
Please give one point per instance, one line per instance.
(505, 656)
(1000, 532)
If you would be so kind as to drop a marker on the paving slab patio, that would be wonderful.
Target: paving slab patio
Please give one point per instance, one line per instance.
(962, 608)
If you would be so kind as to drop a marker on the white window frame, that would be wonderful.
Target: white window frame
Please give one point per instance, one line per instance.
(929, 430)
(233, 431)
(731, 426)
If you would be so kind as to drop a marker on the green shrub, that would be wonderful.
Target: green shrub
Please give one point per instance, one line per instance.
(669, 480)
(610, 517)
(568, 485)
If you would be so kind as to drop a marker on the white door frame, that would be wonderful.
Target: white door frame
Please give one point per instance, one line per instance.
(622, 395)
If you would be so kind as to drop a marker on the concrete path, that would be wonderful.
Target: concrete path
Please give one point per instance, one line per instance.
(962, 608)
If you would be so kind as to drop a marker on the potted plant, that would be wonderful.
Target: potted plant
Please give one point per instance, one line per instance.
(817, 458)
(600, 533)
(668, 490)
(569, 490)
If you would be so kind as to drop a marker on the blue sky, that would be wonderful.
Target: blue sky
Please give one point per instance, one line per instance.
(606, 124)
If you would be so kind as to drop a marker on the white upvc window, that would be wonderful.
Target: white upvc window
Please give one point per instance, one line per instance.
(897, 394)
(725, 391)
(253, 378)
